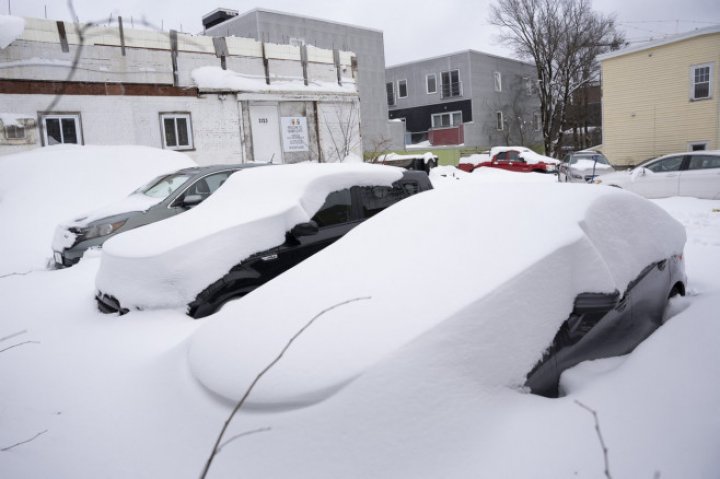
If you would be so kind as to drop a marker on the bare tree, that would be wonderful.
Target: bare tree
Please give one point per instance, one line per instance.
(563, 37)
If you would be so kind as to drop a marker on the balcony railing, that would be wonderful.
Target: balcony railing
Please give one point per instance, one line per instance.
(448, 90)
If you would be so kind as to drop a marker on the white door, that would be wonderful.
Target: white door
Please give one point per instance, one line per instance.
(265, 133)
(660, 179)
(702, 178)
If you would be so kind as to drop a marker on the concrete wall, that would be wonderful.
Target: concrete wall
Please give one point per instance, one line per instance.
(367, 44)
(647, 109)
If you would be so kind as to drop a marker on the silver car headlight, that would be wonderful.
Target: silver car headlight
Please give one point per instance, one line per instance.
(102, 229)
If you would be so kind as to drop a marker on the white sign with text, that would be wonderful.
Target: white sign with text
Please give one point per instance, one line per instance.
(294, 133)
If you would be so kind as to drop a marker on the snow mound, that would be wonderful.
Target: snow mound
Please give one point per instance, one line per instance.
(528, 155)
(503, 299)
(45, 186)
(166, 264)
(215, 78)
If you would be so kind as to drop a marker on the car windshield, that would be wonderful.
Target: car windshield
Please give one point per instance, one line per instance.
(164, 186)
(589, 156)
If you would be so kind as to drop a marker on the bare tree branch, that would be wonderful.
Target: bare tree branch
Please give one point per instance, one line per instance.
(5, 449)
(243, 434)
(600, 437)
(19, 344)
(13, 335)
(216, 447)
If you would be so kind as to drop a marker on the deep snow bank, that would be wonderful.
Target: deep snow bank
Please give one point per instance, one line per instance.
(518, 266)
(43, 187)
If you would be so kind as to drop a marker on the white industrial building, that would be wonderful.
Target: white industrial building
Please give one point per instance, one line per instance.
(220, 100)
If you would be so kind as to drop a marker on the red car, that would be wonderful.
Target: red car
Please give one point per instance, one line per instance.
(515, 158)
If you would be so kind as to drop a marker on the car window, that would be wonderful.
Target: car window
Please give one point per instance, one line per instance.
(374, 199)
(336, 210)
(668, 164)
(215, 181)
(165, 186)
(702, 162)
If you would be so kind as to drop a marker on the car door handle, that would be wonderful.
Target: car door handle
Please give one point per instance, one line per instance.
(671, 175)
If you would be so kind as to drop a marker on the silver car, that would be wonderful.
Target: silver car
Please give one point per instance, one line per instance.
(583, 167)
(162, 198)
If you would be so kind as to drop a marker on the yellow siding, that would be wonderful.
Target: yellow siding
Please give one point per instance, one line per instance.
(647, 109)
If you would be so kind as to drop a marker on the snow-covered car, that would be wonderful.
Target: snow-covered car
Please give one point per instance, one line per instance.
(258, 225)
(163, 197)
(692, 173)
(467, 163)
(508, 313)
(518, 158)
(583, 166)
(421, 161)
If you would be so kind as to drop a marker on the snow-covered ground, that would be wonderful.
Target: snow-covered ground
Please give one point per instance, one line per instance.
(114, 397)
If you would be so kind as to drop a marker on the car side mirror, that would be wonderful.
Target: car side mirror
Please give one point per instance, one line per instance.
(191, 200)
(305, 229)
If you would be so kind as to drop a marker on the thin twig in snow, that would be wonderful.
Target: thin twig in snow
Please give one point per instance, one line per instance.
(13, 335)
(600, 437)
(216, 447)
(19, 344)
(5, 449)
(243, 434)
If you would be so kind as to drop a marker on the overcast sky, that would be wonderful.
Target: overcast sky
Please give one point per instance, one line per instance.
(413, 29)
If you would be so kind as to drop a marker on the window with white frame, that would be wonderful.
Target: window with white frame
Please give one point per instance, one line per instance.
(402, 89)
(177, 131)
(61, 128)
(390, 90)
(499, 120)
(447, 120)
(431, 83)
(450, 83)
(701, 81)
(498, 81)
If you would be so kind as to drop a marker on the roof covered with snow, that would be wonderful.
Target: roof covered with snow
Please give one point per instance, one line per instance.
(217, 79)
(168, 263)
(660, 42)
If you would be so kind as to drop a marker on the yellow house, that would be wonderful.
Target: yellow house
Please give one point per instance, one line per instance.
(661, 97)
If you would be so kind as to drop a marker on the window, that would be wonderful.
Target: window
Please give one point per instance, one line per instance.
(698, 146)
(702, 162)
(498, 81)
(374, 199)
(336, 210)
(450, 83)
(59, 129)
(177, 131)
(204, 187)
(402, 88)
(14, 132)
(390, 89)
(431, 83)
(668, 164)
(700, 78)
(447, 120)
(537, 121)
(499, 120)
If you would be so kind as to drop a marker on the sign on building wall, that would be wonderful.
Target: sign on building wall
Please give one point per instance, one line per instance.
(294, 133)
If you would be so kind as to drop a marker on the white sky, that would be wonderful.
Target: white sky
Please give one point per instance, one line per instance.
(413, 29)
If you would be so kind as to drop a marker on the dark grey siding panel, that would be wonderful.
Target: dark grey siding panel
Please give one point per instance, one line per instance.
(419, 118)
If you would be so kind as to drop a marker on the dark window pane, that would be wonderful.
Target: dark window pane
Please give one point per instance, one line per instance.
(390, 94)
(336, 209)
(702, 90)
(402, 89)
(182, 130)
(170, 139)
(52, 129)
(431, 84)
(68, 130)
(376, 198)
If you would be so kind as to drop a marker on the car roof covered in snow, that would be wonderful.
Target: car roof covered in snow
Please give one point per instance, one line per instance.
(412, 304)
(166, 264)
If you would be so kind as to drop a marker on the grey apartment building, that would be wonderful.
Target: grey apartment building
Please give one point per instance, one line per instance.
(367, 44)
(469, 98)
